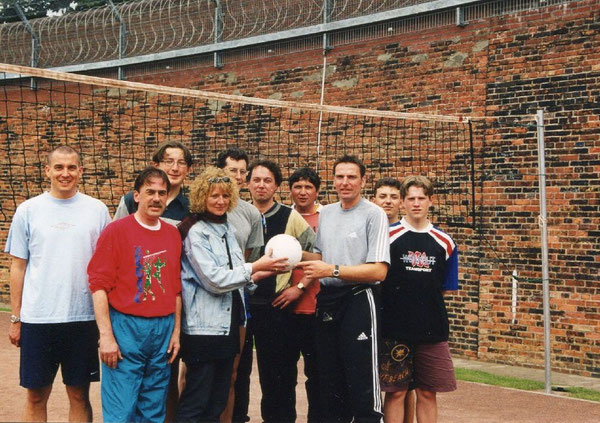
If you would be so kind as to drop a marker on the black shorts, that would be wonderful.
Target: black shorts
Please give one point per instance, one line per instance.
(45, 346)
(395, 365)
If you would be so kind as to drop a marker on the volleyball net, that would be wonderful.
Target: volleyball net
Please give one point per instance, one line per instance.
(116, 125)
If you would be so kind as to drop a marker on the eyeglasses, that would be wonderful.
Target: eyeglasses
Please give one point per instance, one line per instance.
(171, 162)
(242, 172)
(218, 179)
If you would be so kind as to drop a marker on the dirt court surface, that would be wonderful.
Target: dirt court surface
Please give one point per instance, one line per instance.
(470, 403)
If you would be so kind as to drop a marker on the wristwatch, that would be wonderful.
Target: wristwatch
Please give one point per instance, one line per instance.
(336, 271)
(300, 286)
(14, 319)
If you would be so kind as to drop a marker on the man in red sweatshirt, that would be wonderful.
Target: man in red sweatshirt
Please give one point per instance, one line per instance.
(134, 276)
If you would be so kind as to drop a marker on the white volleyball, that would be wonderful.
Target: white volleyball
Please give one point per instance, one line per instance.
(285, 246)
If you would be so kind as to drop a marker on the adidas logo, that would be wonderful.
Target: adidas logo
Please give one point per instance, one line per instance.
(327, 317)
(362, 337)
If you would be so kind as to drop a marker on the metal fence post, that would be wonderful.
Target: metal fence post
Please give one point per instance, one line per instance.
(122, 36)
(218, 55)
(327, 9)
(544, 231)
(35, 42)
(460, 17)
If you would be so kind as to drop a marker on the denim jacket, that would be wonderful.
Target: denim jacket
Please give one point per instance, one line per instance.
(207, 281)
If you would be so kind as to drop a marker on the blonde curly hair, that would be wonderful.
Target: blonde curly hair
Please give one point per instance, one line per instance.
(201, 187)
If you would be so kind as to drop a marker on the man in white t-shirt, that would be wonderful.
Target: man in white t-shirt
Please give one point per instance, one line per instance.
(51, 240)
(351, 255)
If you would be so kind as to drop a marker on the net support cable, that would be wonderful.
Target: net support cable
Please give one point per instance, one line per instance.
(162, 89)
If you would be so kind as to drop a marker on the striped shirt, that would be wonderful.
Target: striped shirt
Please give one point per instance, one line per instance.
(424, 265)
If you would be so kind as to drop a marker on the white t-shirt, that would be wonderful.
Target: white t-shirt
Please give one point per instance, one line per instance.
(350, 237)
(57, 238)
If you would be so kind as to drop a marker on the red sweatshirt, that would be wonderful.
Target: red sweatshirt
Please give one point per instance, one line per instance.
(139, 268)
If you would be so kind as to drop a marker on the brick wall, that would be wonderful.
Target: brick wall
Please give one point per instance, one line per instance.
(551, 65)
(502, 70)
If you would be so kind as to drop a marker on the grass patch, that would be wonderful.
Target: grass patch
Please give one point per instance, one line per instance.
(4, 308)
(478, 376)
(583, 393)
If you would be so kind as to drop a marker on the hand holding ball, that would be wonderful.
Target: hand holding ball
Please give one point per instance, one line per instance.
(285, 246)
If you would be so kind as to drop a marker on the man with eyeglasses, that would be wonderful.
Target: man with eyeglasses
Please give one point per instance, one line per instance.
(247, 222)
(245, 218)
(175, 160)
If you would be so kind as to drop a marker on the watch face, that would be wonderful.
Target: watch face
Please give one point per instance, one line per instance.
(336, 271)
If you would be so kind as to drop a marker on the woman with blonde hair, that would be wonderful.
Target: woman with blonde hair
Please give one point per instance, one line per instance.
(213, 276)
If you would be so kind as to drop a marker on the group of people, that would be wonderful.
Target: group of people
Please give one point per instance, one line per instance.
(177, 292)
